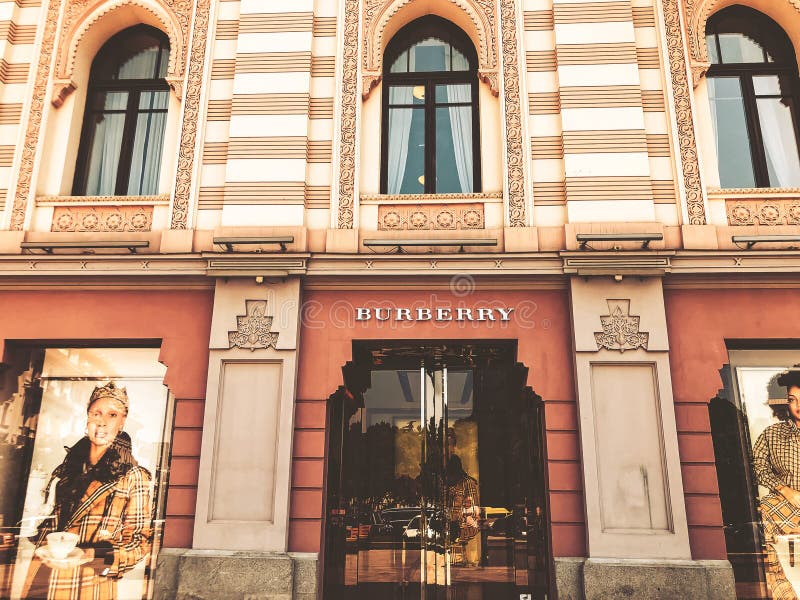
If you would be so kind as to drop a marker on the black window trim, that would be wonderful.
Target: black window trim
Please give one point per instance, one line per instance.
(134, 88)
(419, 29)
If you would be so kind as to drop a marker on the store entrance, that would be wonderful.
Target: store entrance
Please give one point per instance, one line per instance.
(436, 480)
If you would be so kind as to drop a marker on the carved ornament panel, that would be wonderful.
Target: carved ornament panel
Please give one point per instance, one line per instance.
(102, 218)
(399, 217)
(620, 328)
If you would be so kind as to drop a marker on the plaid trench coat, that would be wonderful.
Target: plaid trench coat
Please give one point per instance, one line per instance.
(118, 512)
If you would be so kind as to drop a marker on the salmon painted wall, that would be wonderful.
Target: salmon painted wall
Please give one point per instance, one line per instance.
(698, 323)
(181, 319)
(540, 322)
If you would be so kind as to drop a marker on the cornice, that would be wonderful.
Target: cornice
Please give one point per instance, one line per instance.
(69, 268)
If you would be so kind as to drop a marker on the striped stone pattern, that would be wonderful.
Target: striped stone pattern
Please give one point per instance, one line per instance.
(606, 154)
(18, 23)
(544, 106)
(270, 111)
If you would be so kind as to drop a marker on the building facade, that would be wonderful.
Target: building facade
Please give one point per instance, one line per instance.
(409, 298)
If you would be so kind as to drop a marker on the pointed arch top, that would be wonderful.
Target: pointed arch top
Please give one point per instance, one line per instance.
(699, 11)
(171, 17)
(383, 18)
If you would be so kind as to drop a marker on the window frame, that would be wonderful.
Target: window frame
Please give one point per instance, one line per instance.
(745, 72)
(420, 29)
(134, 89)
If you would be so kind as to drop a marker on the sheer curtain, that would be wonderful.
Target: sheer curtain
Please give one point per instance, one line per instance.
(780, 145)
(461, 127)
(399, 131)
(106, 145)
(399, 134)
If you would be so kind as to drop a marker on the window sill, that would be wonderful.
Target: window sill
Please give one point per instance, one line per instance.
(492, 197)
(159, 200)
(726, 193)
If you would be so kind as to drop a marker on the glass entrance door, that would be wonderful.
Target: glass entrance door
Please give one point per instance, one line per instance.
(436, 483)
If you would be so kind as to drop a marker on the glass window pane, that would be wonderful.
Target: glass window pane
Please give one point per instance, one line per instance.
(780, 142)
(400, 65)
(406, 151)
(110, 101)
(407, 95)
(106, 135)
(136, 53)
(730, 130)
(454, 93)
(454, 149)
(146, 159)
(460, 62)
(156, 100)
(713, 55)
(429, 55)
(767, 85)
(738, 48)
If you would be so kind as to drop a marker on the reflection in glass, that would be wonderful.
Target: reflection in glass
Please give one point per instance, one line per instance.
(730, 130)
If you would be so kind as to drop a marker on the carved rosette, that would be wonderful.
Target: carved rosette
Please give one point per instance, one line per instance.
(683, 112)
(513, 112)
(769, 212)
(253, 328)
(400, 217)
(620, 329)
(102, 218)
(349, 103)
(191, 118)
(30, 145)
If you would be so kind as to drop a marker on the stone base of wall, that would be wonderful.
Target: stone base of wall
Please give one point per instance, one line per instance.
(602, 578)
(183, 574)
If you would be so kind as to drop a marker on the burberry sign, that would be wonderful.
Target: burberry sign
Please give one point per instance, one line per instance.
(433, 314)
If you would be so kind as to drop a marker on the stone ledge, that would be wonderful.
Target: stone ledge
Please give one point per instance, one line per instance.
(657, 579)
(183, 574)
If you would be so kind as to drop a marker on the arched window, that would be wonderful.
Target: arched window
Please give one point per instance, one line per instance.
(753, 88)
(126, 111)
(430, 128)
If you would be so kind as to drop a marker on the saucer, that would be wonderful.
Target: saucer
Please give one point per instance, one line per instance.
(75, 558)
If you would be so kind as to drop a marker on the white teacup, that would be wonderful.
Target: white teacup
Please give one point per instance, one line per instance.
(61, 543)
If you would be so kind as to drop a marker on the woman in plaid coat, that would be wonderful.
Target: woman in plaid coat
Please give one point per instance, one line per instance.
(103, 495)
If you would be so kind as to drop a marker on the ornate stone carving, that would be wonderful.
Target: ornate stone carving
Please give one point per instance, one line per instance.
(620, 328)
(369, 82)
(349, 104)
(699, 70)
(61, 89)
(377, 13)
(397, 217)
(103, 200)
(30, 144)
(512, 102)
(253, 328)
(79, 16)
(191, 118)
(102, 218)
(683, 113)
(766, 211)
(491, 79)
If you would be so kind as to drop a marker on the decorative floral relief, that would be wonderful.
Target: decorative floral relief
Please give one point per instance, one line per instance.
(191, 118)
(349, 104)
(253, 329)
(102, 218)
(430, 217)
(763, 212)
(682, 90)
(620, 328)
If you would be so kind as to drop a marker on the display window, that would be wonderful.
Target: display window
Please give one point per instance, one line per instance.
(84, 451)
(755, 423)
